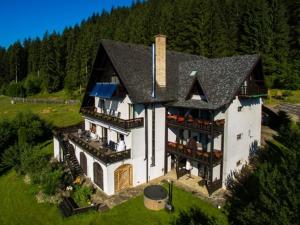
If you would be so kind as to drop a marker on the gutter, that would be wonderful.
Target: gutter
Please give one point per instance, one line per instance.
(146, 142)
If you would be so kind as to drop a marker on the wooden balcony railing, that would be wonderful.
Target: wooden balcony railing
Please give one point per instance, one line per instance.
(253, 89)
(113, 120)
(195, 124)
(73, 128)
(104, 154)
(197, 155)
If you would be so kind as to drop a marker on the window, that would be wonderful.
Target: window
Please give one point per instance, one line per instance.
(239, 136)
(240, 108)
(102, 105)
(93, 128)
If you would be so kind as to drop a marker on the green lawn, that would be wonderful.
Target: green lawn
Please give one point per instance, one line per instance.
(59, 95)
(18, 206)
(272, 100)
(58, 114)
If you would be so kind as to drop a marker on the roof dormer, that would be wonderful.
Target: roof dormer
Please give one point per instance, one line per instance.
(196, 91)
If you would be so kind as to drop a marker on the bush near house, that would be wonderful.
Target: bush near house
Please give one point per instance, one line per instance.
(197, 216)
(82, 195)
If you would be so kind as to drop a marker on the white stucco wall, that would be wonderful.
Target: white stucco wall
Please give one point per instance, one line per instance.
(108, 170)
(118, 105)
(158, 169)
(247, 122)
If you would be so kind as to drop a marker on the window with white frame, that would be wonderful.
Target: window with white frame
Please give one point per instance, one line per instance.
(239, 136)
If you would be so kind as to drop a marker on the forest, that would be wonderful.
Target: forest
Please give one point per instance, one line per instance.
(211, 28)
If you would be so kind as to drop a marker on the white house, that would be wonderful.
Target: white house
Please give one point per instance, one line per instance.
(148, 110)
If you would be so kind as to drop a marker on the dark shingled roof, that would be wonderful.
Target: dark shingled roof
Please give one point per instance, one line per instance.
(220, 78)
(133, 64)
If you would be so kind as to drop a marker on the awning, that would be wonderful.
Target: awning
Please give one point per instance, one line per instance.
(103, 90)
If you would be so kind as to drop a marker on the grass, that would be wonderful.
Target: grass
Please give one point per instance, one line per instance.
(63, 94)
(18, 206)
(272, 100)
(58, 114)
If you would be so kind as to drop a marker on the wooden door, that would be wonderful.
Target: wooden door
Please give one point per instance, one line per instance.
(123, 177)
(98, 175)
(83, 162)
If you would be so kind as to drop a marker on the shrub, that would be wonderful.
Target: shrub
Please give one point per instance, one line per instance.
(287, 93)
(82, 195)
(195, 216)
(19, 134)
(9, 158)
(32, 160)
(32, 84)
(15, 90)
(37, 130)
(51, 180)
(8, 135)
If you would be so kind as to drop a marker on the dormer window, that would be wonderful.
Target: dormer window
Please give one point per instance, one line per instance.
(196, 92)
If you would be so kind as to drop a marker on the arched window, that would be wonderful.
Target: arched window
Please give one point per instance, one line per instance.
(83, 162)
(98, 175)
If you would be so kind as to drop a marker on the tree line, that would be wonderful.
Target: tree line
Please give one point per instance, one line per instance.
(212, 28)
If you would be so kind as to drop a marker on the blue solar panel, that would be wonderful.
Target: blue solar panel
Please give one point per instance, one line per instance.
(103, 90)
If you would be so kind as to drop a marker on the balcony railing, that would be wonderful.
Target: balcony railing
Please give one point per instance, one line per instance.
(197, 155)
(104, 154)
(113, 120)
(253, 89)
(195, 124)
(62, 130)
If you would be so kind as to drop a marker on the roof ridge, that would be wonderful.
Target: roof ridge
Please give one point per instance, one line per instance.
(146, 46)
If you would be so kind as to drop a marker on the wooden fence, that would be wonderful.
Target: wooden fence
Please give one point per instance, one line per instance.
(45, 101)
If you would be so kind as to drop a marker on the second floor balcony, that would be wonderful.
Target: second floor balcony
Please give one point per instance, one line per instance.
(107, 153)
(190, 123)
(112, 120)
(253, 89)
(199, 155)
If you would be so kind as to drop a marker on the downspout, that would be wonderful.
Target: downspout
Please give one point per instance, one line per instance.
(146, 142)
(153, 137)
(211, 147)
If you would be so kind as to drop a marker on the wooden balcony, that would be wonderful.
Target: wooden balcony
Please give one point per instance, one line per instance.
(196, 155)
(198, 125)
(113, 120)
(254, 89)
(104, 154)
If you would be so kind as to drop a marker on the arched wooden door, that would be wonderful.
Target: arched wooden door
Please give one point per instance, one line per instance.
(98, 175)
(83, 162)
(123, 177)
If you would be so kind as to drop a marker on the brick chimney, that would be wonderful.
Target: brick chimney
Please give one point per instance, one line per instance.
(160, 60)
